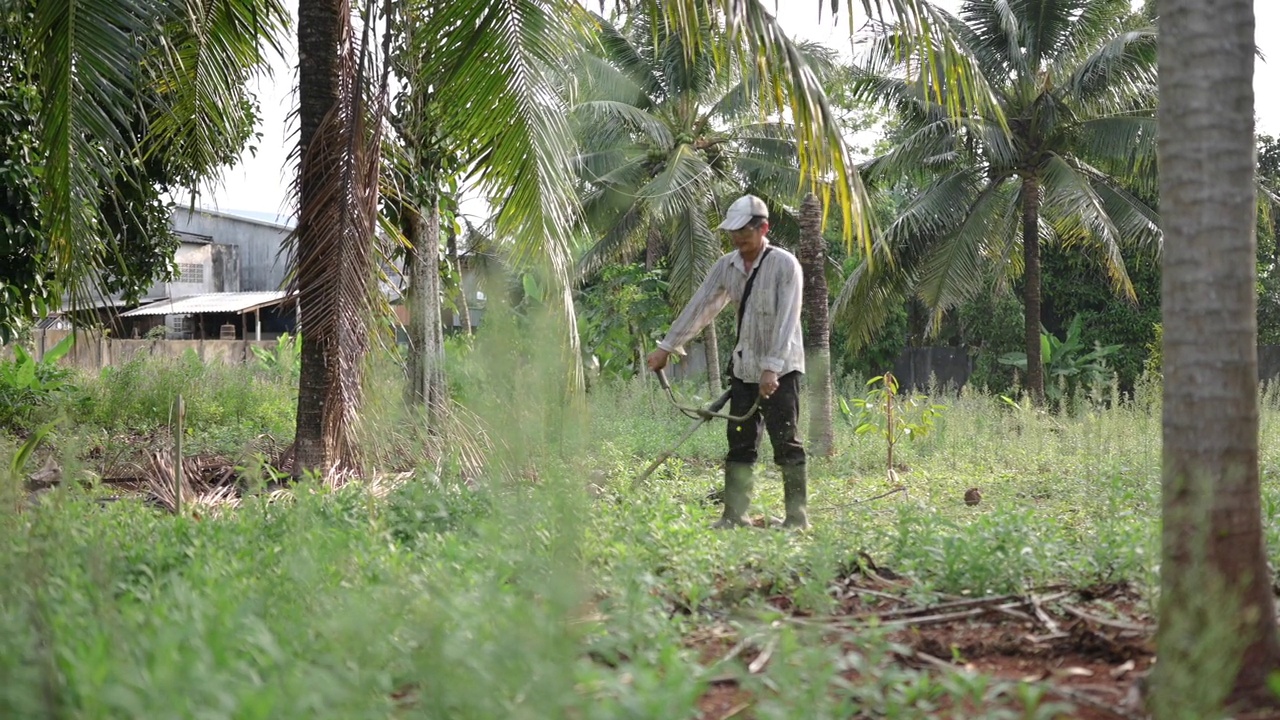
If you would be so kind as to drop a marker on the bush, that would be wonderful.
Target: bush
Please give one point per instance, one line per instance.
(992, 327)
(27, 385)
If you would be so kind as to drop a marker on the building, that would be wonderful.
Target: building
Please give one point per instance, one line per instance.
(229, 284)
(231, 279)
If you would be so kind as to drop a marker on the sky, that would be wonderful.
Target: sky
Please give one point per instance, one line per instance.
(261, 183)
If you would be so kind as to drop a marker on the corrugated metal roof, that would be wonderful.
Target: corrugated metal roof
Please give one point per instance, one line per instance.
(210, 303)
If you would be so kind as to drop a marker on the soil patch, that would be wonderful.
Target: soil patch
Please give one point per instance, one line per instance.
(1089, 647)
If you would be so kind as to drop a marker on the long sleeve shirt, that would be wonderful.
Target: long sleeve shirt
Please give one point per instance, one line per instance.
(771, 338)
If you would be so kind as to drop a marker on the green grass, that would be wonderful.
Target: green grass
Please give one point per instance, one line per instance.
(543, 600)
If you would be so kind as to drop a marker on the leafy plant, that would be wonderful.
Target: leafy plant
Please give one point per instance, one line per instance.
(283, 360)
(621, 313)
(884, 411)
(1067, 365)
(27, 384)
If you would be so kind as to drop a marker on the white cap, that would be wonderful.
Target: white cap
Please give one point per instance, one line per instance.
(741, 212)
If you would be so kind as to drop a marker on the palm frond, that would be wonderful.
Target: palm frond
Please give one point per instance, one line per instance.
(1078, 215)
(627, 59)
(1137, 222)
(995, 33)
(1122, 69)
(625, 234)
(955, 270)
(598, 79)
(202, 68)
(867, 298)
(1123, 144)
(682, 181)
(629, 116)
(1095, 20)
(492, 58)
(935, 211)
(693, 249)
(924, 149)
(86, 55)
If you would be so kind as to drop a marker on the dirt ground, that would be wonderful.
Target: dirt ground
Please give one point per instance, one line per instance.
(1089, 647)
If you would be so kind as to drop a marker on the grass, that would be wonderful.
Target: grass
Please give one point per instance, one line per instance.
(569, 596)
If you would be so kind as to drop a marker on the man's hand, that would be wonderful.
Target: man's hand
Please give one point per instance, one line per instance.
(768, 383)
(658, 359)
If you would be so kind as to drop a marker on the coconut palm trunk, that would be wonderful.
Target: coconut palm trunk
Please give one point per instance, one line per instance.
(426, 334)
(341, 110)
(1217, 634)
(817, 327)
(1031, 285)
(319, 26)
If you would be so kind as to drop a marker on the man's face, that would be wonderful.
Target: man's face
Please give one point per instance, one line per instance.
(749, 239)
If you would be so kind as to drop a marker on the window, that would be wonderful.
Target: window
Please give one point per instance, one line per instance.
(190, 273)
(179, 325)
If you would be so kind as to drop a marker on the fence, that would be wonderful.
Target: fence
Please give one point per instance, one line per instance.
(94, 352)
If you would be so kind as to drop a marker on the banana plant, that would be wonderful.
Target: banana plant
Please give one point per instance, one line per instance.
(1065, 362)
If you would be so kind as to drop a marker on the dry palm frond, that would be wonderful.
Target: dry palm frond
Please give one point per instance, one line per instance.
(458, 435)
(195, 492)
(335, 262)
(383, 484)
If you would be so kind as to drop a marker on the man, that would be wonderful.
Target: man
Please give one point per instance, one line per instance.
(768, 359)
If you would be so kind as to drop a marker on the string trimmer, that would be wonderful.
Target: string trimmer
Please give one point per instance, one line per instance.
(700, 416)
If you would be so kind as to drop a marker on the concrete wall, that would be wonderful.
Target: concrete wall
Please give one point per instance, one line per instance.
(257, 242)
(93, 352)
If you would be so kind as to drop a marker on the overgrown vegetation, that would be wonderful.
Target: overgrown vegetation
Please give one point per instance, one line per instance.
(564, 594)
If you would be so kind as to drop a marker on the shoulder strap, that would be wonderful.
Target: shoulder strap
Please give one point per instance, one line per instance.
(751, 281)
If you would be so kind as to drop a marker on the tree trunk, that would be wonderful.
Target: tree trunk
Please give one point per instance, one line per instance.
(711, 348)
(464, 307)
(1031, 285)
(319, 24)
(1217, 637)
(426, 334)
(817, 327)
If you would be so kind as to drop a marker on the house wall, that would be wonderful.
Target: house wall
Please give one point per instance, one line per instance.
(202, 268)
(257, 245)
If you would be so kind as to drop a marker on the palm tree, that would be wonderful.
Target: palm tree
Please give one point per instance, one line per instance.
(817, 326)
(666, 132)
(424, 170)
(1076, 86)
(1217, 637)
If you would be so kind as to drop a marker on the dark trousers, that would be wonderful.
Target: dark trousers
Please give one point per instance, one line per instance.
(780, 414)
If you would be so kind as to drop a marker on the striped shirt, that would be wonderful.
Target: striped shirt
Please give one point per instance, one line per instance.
(771, 337)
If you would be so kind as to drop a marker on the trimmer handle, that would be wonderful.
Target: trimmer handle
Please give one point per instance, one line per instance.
(662, 379)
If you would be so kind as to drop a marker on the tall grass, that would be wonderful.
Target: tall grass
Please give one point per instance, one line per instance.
(226, 405)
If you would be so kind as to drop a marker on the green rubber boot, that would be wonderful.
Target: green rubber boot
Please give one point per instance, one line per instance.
(738, 482)
(795, 494)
